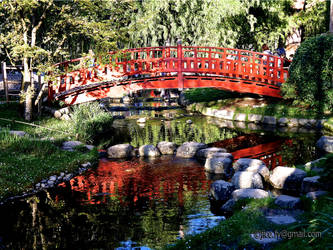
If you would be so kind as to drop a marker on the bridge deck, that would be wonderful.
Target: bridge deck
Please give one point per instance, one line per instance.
(167, 68)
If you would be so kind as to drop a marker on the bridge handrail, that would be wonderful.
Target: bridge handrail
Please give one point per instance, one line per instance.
(170, 60)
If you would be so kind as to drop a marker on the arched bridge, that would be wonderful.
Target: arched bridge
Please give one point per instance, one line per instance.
(171, 67)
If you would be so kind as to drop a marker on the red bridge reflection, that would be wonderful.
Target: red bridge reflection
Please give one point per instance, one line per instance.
(132, 181)
(165, 178)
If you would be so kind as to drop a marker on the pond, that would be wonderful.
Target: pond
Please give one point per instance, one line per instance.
(144, 203)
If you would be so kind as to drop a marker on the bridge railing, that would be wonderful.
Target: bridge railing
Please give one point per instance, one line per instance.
(176, 61)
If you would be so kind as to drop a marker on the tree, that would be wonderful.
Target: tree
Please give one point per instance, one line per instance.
(237, 23)
(38, 33)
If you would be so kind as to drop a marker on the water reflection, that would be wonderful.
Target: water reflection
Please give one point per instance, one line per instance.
(140, 202)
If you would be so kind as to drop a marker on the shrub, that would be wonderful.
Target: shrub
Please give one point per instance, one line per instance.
(89, 120)
(207, 94)
(311, 74)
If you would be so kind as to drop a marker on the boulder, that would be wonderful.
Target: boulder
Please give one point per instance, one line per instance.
(249, 193)
(283, 121)
(254, 118)
(252, 165)
(287, 178)
(219, 165)
(222, 155)
(149, 151)
(120, 151)
(228, 206)
(316, 194)
(286, 201)
(208, 152)
(242, 179)
(240, 117)
(325, 143)
(293, 122)
(303, 122)
(221, 190)
(142, 120)
(311, 184)
(18, 133)
(167, 148)
(70, 145)
(281, 219)
(269, 120)
(225, 114)
(189, 149)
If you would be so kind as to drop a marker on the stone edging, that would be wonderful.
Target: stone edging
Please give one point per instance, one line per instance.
(255, 118)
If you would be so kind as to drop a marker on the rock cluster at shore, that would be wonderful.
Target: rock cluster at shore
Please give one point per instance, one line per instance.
(248, 177)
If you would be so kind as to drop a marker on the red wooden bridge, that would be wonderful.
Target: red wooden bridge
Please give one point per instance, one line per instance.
(171, 67)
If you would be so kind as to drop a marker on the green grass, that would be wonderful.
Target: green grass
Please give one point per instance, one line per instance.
(277, 110)
(25, 161)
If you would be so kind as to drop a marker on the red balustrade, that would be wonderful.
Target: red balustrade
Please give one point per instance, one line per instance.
(170, 67)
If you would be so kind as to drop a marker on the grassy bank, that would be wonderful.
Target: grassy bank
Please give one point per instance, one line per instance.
(250, 104)
(235, 231)
(25, 161)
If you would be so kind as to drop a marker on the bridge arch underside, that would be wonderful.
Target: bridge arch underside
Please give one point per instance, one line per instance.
(121, 88)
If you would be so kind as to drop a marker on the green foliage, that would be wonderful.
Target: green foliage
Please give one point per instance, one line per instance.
(236, 23)
(327, 175)
(311, 74)
(90, 119)
(25, 161)
(206, 94)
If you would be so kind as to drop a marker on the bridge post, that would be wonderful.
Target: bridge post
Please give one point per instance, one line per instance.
(180, 59)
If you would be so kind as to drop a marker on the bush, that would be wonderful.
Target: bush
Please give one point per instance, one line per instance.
(311, 74)
(207, 94)
(89, 120)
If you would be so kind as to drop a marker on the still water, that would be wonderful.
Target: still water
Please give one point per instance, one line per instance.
(140, 202)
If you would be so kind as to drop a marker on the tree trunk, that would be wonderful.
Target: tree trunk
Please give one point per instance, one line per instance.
(26, 88)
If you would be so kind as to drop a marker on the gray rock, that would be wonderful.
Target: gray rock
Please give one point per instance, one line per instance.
(18, 133)
(50, 183)
(149, 151)
(270, 120)
(225, 114)
(293, 122)
(303, 122)
(283, 121)
(249, 193)
(228, 206)
(208, 152)
(311, 184)
(254, 118)
(252, 165)
(189, 122)
(84, 165)
(253, 126)
(325, 143)
(142, 120)
(281, 219)
(240, 117)
(65, 117)
(218, 165)
(167, 148)
(242, 179)
(120, 151)
(287, 178)
(221, 190)
(189, 149)
(316, 194)
(53, 178)
(286, 201)
(90, 147)
(70, 145)
(313, 164)
(240, 125)
(222, 155)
